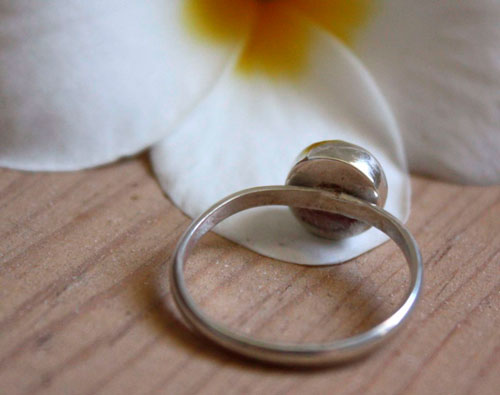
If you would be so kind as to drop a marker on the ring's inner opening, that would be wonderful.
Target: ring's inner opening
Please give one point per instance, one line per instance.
(282, 302)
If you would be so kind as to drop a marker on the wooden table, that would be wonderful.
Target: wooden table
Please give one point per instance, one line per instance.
(85, 306)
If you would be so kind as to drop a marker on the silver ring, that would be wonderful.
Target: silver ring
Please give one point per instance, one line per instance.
(308, 203)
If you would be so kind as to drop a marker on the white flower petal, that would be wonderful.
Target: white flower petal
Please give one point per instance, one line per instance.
(83, 83)
(438, 63)
(247, 133)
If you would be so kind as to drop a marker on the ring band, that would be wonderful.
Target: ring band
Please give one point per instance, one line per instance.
(307, 198)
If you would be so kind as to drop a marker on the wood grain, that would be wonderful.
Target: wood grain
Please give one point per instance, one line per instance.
(85, 306)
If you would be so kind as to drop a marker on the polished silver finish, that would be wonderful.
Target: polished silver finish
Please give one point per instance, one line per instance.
(305, 198)
(337, 166)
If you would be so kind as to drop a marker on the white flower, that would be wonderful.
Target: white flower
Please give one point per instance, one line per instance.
(229, 91)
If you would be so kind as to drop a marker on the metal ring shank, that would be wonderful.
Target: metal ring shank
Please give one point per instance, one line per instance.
(285, 353)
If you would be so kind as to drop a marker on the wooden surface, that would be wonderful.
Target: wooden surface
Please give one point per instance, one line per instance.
(85, 308)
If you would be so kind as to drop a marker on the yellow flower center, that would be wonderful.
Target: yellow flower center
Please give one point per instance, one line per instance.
(277, 35)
